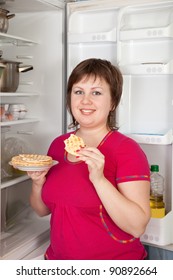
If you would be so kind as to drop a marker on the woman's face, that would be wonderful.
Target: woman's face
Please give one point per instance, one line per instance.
(91, 102)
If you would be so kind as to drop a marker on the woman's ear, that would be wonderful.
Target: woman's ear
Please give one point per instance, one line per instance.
(113, 108)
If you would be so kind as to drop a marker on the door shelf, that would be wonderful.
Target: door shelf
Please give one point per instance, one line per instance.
(15, 40)
(24, 121)
(148, 68)
(157, 231)
(155, 139)
(14, 180)
(109, 36)
(147, 33)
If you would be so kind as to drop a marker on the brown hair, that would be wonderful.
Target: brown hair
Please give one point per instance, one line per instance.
(97, 68)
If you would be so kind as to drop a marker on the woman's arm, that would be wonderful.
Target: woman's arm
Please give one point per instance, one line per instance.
(38, 180)
(128, 206)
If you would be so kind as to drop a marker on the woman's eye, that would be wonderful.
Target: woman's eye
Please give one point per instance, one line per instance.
(96, 93)
(78, 92)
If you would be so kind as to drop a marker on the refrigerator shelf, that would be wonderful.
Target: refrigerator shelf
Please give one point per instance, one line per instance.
(148, 68)
(24, 121)
(20, 238)
(109, 36)
(155, 139)
(147, 33)
(15, 40)
(19, 94)
(157, 231)
(13, 180)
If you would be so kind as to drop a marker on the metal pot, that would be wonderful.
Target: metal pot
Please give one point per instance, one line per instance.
(2, 66)
(4, 17)
(9, 79)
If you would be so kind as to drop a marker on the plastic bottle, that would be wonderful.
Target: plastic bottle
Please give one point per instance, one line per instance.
(157, 204)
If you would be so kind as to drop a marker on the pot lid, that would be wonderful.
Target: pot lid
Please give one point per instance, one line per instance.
(5, 61)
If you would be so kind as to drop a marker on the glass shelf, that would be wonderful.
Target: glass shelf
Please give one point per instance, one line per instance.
(18, 94)
(24, 121)
(20, 238)
(15, 40)
(10, 181)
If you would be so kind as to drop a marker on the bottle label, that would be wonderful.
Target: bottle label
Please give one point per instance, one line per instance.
(157, 213)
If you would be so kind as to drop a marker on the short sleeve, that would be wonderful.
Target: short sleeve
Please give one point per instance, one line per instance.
(132, 163)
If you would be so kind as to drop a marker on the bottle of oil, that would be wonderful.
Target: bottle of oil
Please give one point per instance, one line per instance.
(156, 193)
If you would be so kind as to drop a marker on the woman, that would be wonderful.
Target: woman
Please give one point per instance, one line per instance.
(99, 200)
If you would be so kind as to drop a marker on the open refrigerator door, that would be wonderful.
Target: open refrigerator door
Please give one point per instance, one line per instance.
(145, 113)
(138, 37)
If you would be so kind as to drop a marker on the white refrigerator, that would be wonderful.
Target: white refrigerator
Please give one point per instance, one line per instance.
(54, 36)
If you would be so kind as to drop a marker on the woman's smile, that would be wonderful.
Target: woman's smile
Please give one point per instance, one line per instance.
(91, 101)
(87, 111)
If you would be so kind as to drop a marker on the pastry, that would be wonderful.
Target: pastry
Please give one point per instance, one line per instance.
(31, 160)
(73, 143)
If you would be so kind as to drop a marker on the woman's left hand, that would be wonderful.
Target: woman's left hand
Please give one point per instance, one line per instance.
(95, 161)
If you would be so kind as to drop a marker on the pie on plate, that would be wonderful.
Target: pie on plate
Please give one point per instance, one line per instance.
(29, 162)
(74, 143)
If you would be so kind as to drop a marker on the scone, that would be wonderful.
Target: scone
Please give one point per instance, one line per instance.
(74, 143)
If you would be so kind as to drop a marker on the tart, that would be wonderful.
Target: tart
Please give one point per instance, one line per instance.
(31, 160)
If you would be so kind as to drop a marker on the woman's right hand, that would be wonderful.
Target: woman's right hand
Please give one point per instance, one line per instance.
(38, 177)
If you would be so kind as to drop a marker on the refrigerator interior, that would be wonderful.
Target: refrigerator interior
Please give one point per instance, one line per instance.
(35, 37)
(138, 37)
(130, 35)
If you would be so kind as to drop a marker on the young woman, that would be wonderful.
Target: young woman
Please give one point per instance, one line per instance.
(98, 200)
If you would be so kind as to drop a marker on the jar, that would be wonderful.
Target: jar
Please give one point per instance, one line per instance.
(23, 111)
(14, 111)
(2, 112)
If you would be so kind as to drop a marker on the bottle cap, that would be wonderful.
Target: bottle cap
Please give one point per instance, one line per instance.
(154, 168)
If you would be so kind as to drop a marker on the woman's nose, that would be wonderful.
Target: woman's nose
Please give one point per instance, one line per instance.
(86, 99)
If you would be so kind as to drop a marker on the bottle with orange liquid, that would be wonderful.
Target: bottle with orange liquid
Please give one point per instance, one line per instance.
(157, 204)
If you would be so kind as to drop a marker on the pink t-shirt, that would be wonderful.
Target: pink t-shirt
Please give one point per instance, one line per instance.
(81, 229)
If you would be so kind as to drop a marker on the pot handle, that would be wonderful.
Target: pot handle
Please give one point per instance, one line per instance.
(25, 68)
(10, 16)
(2, 65)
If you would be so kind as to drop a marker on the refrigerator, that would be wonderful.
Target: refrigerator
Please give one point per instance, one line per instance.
(54, 36)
